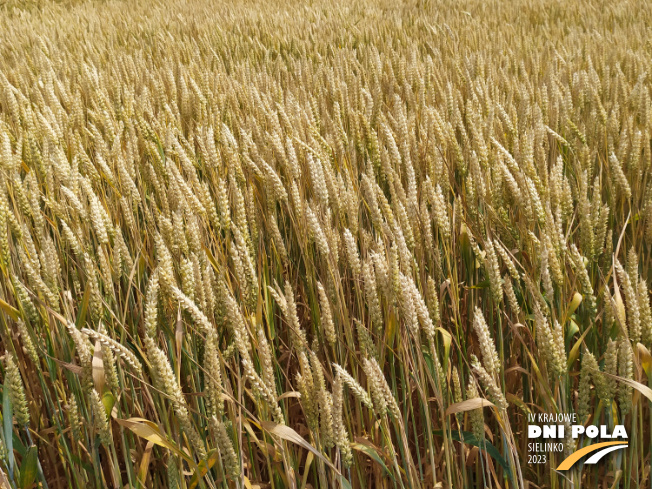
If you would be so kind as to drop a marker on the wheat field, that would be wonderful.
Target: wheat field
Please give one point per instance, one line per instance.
(322, 244)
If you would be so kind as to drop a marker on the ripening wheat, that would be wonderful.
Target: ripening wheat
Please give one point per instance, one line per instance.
(271, 244)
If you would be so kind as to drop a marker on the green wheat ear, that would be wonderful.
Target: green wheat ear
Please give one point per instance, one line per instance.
(14, 382)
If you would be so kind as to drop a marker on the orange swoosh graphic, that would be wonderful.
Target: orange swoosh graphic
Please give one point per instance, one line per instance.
(574, 457)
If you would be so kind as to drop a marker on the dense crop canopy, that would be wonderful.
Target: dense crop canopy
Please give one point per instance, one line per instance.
(321, 244)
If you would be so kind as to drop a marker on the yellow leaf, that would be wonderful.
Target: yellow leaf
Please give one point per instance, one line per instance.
(447, 344)
(574, 304)
(512, 399)
(306, 470)
(203, 467)
(144, 463)
(150, 432)
(645, 358)
(12, 312)
(266, 448)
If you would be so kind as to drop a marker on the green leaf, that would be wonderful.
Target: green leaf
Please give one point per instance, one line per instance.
(19, 446)
(481, 285)
(344, 482)
(371, 452)
(482, 445)
(8, 425)
(573, 329)
(81, 315)
(29, 468)
(108, 400)
(575, 351)
(574, 304)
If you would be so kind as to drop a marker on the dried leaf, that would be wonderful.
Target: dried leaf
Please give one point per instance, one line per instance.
(287, 433)
(643, 389)
(98, 368)
(468, 405)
